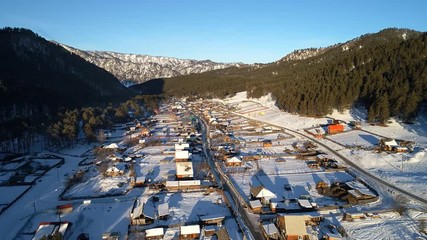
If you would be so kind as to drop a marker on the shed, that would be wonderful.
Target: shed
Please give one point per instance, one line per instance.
(270, 230)
(267, 143)
(335, 128)
(139, 181)
(255, 206)
(163, 210)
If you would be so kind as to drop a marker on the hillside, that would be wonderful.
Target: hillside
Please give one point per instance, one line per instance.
(384, 72)
(137, 68)
(38, 77)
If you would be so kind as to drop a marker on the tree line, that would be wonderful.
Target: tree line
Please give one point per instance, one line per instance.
(70, 125)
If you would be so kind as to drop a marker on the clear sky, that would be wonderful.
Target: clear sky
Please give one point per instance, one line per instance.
(221, 30)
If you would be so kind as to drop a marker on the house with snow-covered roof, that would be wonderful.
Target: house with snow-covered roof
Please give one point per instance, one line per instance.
(263, 194)
(235, 161)
(116, 170)
(184, 170)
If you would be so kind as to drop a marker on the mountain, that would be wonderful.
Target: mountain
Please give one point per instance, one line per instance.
(137, 68)
(37, 77)
(385, 72)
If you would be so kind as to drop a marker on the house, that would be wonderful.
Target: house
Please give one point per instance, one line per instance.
(184, 170)
(182, 155)
(388, 144)
(262, 194)
(270, 230)
(112, 146)
(163, 211)
(116, 170)
(256, 206)
(294, 227)
(335, 128)
(189, 232)
(51, 228)
(233, 162)
(154, 233)
(137, 216)
(212, 219)
(139, 181)
(145, 132)
(210, 230)
(267, 143)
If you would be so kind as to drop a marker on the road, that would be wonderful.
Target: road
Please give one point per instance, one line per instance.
(249, 226)
(365, 174)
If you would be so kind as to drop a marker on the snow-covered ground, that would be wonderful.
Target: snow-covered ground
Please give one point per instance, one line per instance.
(356, 138)
(388, 226)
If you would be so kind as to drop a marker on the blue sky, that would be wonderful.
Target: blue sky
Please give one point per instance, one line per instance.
(223, 30)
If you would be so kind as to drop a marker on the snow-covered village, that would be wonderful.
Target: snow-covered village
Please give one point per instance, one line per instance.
(213, 120)
(235, 168)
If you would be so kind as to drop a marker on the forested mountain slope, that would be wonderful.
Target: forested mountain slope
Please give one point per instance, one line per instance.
(384, 72)
(37, 78)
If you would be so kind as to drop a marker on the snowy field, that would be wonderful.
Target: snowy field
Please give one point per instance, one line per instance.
(388, 226)
(9, 194)
(356, 138)
(95, 218)
(157, 168)
(96, 185)
(405, 170)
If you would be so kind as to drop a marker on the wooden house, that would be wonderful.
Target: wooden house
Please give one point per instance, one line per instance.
(212, 219)
(388, 144)
(335, 128)
(154, 233)
(294, 227)
(233, 162)
(182, 155)
(116, 170)
(263, 194)
(189, 232)
(184, 170)
(267, 143)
